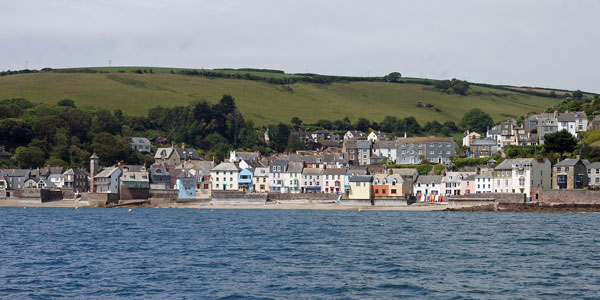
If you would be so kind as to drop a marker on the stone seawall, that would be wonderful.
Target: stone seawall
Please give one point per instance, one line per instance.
(553, 197)
(374, 202)
(308, 197)
(497, 197)
(163, 195)
(237, 197)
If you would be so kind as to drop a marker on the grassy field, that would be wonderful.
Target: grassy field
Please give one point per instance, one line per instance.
(175, 70)
(263, 102)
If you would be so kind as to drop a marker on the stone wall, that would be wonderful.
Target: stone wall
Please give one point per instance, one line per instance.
(237, 197)
(566, 196)
(497, 197)
(307, 196)
(103, 198)
(133, 193)
(51, 195)
(163, 195)
(68, 193)
(3, 194)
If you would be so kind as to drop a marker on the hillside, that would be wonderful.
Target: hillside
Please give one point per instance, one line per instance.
(265, 102)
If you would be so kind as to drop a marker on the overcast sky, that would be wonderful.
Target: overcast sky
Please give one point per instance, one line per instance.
(536, 43)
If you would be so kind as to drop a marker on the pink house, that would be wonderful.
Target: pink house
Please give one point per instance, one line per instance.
(467, 185)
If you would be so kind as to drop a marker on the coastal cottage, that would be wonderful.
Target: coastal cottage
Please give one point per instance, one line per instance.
(390, 186)
(238, 156)
(451, 182)
(593, 171)
(107, 181)
(292, 178)
(16, 177)
(260, 178)
(140, 144)
(352, 172)
(76, 180)
(276, 175)
(573, 122)
(225, 177)
(134, 183)
(569, 174)
(470, 137)
(324, 135)
(186, 185)
(360, 187)
(245, 180)
(57, 180)
(519, 175)
(311, 180)
(467, 185)
(428, 186)
(484, 182)
(160, 178)
(333, 180)
(174, 156)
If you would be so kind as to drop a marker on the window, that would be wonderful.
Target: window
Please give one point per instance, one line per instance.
(557, 169)
(376, 191)
(383, 191)
(566, 169)
(393, 191)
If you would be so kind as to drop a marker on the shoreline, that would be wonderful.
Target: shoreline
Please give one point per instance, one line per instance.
(268, 206)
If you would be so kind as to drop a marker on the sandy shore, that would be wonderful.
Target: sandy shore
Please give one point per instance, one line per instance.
(310, 206)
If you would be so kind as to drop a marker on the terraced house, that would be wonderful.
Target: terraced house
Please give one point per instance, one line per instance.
(434, 149)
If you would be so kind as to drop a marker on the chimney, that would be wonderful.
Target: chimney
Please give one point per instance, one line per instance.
(172, 145)
(578, 157)
(182, 145)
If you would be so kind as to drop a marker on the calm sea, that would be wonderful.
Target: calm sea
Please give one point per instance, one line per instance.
(275, 254)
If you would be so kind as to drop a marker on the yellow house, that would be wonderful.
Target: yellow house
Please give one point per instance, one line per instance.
(360, 188)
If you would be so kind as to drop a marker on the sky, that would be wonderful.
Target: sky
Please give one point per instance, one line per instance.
(546, 43)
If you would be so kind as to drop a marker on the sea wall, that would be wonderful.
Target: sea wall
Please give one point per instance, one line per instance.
(222, 197)
(552, 197)
(308, 197)
(133, 193)
(102, 198)
(374, 202)
(497, 197)
(163, 195)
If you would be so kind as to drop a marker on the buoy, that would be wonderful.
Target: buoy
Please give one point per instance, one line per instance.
(76, 207)
(130, 210)
(359, 209)
(199, 208)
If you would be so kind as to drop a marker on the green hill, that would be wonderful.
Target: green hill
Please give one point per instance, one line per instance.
(265, 102)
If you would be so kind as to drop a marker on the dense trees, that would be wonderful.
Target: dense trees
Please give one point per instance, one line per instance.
(560, 142)
(455, 86)
(476, 120)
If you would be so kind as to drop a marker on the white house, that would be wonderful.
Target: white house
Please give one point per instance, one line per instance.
(451, 182)
(292, 178)
(107, 181)
(333, 180)
(519, 175)
(311, 180)
(386, 149)
(354, 135)
(573, 122)
(425, 186)
(225, 177)
(484, 183)
(375, 136)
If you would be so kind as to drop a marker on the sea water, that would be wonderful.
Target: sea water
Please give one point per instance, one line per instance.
(47, 253)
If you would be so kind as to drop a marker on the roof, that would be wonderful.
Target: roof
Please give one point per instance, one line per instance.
(262, 171)
(385, 144)
(430, 178)
(429, 139)
(486, 141)
(356, 133)
(295, 167)
(405, 171)
(355, 172)
(107, 172)
(335, 171)
(470, 177)
(595, 165)
(18, 172)
(184, 153)
(140, 141)
(508, 163)
(226, 166)
(487, 174)
(134, 176)
(361, 178)
(363, 144)
(94, 155)
(312, 171)
(567, 162)
(159, 172)
(247, 155)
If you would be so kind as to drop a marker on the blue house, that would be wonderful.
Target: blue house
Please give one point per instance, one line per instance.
(245, 179)
(186, 184)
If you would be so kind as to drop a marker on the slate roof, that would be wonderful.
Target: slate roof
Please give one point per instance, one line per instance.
(312, 171)
(226, 166)
(262, 171)
(430, 178)
(569, 162)
(106, 172)
(141, 141)
(483, 142)
(295, 167)
(427, 140)
(385, 144)
(335, 171)
(361, 178)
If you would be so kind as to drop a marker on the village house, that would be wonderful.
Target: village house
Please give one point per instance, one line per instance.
(16, 178)
(573, 122)
(174, 156)
(276, 175)
(483, 148)
(469, 137)
(160, 178)
(324, 135)
(225, 177)
(593, 171)
(390, 186)
(245, 180)
(260, 178)
(504, 134)
(375, 136)
(238, 156)
(107, 181)
(569, 174)
(428, 188)
(292, 178)
(434, 149)
(360, 187)
(333, 180)
(386, 149)
(134, 183)
(57, 180)
(311, 180)
(140, 144)
(76, 180)
(352, 172)
(519, 175)
(355, 135)
(452, 181)
(186, 185)
(359, 151)
(484, 182)
(467, 185)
